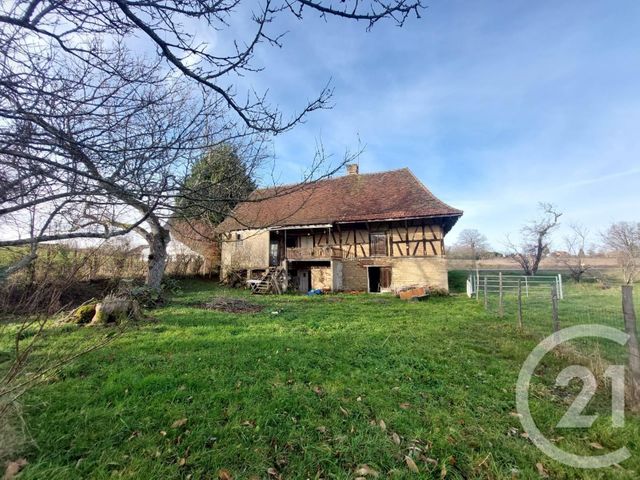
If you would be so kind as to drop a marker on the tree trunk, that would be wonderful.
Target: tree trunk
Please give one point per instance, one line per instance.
(158, 239)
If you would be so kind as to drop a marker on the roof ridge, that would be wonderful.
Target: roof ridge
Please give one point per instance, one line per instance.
(329, 179)
(373, 196)
(426, 189)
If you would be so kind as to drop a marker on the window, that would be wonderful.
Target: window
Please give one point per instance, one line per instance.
(378, 244)
(238, 239)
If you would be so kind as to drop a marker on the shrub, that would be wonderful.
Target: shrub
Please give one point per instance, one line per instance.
(438, 292)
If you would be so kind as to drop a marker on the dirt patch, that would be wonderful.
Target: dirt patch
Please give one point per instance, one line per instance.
(231, 305)
(333, 299)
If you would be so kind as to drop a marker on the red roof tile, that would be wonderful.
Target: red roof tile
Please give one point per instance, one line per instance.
(396, 194)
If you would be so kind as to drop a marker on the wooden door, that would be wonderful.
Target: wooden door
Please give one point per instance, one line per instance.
(385, 277)
(304, 283)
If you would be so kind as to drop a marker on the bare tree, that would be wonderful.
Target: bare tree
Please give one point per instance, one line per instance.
(99, 154)
(74, 26)
(623, 239)
(93, 142)
(535, 239)
(576, 244)
(472, 243)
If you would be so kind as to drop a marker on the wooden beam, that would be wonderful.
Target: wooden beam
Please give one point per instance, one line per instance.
(406, 228)
(355, 242)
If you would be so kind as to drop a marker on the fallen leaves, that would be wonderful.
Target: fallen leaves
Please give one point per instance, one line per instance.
(179, 423)
(395, 438)
(224, 474)
(383, 426)
(182, 461)
(541, 470)
(411, 465)
(13, 468)
(366, 471)
(273, 473)
(596, 445)
(405, 406)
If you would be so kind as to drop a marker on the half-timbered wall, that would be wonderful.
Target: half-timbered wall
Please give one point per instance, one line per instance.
(403, 240)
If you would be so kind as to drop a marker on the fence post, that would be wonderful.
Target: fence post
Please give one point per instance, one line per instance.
(561, 287)
(477, 283)
(520, 303)
(501, 304)
(526, 285)
(486, 301)
(632, 345)
(554, 308)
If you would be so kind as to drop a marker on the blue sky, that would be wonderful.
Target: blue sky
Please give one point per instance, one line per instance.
(494, 105)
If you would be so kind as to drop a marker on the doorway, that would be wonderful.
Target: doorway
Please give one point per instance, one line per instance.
(379, 279)
(304, 280)
(274, 253)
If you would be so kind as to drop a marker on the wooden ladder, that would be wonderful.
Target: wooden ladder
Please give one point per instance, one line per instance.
(270, 282)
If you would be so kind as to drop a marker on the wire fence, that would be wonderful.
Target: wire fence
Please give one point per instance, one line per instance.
(545, 304)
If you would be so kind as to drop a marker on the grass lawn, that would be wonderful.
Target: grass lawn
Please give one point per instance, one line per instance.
(317, 390)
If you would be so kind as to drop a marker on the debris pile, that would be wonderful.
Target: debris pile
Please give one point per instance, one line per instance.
(231, 305)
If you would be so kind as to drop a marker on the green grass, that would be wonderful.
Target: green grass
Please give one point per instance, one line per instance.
(303, 391)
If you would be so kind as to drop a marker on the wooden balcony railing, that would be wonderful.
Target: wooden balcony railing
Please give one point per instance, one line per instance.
(314, 253)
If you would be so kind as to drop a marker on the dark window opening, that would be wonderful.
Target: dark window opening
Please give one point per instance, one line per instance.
(292, 241)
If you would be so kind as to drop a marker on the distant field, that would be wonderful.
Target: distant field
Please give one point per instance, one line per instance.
(312, 387)
(548, 263)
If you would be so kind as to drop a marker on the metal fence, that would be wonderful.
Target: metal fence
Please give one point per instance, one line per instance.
(543, 304)
(483, 283)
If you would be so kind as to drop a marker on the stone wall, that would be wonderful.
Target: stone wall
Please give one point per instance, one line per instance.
(251, 251)
(322, 278)
(427, 271)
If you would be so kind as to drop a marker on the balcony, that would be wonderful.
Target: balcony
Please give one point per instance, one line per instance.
(314, 253)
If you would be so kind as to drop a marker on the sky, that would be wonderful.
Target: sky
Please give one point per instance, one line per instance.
(494, 105)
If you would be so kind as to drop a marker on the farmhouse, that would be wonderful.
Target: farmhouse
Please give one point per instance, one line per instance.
(367, 232)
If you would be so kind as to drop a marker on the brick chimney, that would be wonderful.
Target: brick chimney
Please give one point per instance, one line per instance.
(352, 169)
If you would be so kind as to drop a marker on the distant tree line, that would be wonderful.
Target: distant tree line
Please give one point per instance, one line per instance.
(620, 239)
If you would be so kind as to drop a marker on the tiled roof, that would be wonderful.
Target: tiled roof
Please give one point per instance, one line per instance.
(396, 194)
